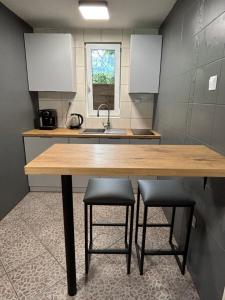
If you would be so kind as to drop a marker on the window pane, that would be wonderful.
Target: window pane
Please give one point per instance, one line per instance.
(103, 77)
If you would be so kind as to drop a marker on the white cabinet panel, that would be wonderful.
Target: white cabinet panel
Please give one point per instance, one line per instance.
(114, 141)
(80, 182)
(83, 140)
(145, 58)
(50, 62)
(35, 146)
(144, 141)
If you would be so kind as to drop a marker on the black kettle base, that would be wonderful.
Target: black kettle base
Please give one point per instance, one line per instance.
(75, 127)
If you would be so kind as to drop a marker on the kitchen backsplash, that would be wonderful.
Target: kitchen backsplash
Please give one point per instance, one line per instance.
(135, 112)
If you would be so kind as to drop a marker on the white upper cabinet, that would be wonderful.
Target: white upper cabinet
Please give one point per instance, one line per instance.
(50, 62)
(145, 59)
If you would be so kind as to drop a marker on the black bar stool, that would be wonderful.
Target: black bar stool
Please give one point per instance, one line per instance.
(108, 191)
(162, 193)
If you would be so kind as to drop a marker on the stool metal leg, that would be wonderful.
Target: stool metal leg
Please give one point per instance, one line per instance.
(91, 228)
(172, 224)
(187, 240)
(130, 239)
(86, 237)
(137, 215)
(143, 240)
(126, 224)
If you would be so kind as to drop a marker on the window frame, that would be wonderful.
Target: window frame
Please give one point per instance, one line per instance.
(89, 87)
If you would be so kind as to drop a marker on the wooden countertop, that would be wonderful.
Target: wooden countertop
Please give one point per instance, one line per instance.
(119, 160)
(78, 133)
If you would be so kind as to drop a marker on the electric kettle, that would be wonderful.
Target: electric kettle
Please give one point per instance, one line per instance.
(75, 121)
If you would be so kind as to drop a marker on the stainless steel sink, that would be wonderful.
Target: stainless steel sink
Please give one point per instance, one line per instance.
(115, 131)
(93, 130)
(103, 131)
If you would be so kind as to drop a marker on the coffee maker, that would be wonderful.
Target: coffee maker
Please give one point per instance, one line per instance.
(48, 119)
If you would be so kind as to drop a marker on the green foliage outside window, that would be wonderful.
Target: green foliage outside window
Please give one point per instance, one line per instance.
(103, 78)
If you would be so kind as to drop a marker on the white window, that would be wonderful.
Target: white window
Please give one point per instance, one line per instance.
(103, 78)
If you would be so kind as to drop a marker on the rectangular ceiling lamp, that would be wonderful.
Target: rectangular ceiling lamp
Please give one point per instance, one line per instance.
(94, 10)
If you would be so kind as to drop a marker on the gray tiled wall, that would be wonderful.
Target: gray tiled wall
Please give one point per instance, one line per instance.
(188, 113)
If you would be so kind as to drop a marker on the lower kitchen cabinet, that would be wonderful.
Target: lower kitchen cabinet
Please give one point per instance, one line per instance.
(80, 182)
(144, 141)
(33, 147)
(114, 141)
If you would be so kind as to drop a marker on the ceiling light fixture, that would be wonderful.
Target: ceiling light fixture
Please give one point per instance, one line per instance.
(94, 10)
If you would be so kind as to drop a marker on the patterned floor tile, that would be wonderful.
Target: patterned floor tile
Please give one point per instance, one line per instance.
(12, 230)
(20, 251)
(35, 276)
(40, 215)
(2, 271)
(190, 293)
(6, 290)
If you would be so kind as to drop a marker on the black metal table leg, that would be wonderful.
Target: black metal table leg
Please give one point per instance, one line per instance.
(67, 197)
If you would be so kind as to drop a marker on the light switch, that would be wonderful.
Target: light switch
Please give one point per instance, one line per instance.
(212, 83)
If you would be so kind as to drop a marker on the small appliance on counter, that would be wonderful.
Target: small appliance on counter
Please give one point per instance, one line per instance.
(48, 119)
(74, 121)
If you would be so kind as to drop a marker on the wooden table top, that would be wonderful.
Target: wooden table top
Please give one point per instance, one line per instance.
(123, 160)
(78, 133)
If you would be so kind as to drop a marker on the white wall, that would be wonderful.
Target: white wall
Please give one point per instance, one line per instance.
(135, 113)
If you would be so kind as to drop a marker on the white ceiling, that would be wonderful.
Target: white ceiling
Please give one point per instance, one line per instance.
(65, 14)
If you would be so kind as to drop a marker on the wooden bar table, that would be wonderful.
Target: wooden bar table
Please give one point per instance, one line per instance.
(66, 160)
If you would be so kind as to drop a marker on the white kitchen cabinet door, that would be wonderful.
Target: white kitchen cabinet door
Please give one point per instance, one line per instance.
(50, 62)
(145, 141)
(145, 59)
(33, 147)
(80, 182)
(114, 141)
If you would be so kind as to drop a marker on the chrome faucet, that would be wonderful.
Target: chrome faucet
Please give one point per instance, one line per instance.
(107, 126)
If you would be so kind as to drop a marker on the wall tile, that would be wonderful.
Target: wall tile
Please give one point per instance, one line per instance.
(111, 35)
(81, 91)
(80, 56)
(202, 93)
(92, 35)
(142, 109)
(124, 75)
(221, 85)
(212, 42)
(78, 37)
(141, 123)
(80, 75)
(146, 30)
(124, 95)
(125, 109)
(120, 123)
(218, 140)
(126, 38)
(125, 57)
(202, 122)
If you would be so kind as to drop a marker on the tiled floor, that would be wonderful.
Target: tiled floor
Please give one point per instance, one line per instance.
(32, 257)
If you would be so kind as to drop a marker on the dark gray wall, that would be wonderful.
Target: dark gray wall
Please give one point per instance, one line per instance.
(187, 113)
(16, 109)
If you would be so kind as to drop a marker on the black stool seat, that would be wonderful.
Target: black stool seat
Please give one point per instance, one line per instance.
(106, 191)
(164, 193)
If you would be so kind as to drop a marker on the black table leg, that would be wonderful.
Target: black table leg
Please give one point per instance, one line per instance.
(67, 196)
